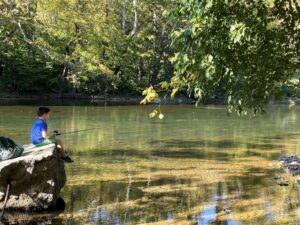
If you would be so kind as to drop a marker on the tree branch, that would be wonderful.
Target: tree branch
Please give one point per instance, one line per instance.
(30, 42)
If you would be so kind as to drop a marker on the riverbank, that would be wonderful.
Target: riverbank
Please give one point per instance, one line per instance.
(118, 100)
(82, 98)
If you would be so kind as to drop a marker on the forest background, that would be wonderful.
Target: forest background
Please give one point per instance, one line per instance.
(243, 51)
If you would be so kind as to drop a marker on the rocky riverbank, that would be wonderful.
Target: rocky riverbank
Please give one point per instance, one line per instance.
(35, 180)
(291, 164)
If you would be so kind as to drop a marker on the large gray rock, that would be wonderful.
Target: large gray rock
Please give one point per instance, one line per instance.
(36, 179)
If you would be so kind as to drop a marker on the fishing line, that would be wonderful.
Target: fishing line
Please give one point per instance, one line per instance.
(57, 133)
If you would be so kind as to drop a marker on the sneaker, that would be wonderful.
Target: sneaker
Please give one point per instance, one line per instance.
(67, 159)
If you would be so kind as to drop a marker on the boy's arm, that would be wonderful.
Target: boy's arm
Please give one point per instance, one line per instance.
(46, 135)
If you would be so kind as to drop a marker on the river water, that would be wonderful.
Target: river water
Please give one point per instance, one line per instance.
(196, 166)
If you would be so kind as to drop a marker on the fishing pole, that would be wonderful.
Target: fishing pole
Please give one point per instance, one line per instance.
(57, 133)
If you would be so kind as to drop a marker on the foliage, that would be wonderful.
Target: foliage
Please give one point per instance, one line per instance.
(80, 46)
(249, 49)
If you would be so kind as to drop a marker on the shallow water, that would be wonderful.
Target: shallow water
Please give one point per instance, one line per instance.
(197, 166)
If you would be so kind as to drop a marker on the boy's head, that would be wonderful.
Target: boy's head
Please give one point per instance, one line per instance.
(43, 112)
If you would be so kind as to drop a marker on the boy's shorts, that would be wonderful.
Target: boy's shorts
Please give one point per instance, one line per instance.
(46, 142)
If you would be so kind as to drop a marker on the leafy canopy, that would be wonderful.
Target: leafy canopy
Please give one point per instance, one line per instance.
(247, 49)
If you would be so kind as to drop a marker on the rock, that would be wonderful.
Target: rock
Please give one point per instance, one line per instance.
(36, 179)
(292, 163)
(227, 211)
(282, 183)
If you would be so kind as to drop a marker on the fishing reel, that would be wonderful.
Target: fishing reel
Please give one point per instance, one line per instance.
(56, 133)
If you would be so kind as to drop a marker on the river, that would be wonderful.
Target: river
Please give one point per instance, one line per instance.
(196, 166)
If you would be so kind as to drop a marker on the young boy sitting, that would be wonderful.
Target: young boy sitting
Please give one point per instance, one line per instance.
(39, 134)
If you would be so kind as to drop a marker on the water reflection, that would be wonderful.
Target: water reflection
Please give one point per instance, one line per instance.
(209, 214)
(198, 166)
(31, 218)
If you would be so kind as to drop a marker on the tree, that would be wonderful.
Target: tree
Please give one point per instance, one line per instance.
(84, 46)
(249, 49)
(20, 54)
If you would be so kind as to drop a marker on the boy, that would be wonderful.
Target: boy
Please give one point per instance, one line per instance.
(39, 134)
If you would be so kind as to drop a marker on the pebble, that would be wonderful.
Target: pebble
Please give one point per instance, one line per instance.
(227, 210)
(283, 183)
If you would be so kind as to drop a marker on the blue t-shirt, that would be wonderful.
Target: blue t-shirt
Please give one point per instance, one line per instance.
(36, 131)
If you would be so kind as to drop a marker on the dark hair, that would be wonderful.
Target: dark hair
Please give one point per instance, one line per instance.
(42, 110)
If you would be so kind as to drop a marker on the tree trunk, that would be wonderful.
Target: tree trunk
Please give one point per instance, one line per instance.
(106, 9)
(65, 72)
(135, 24)
(1, 69)
(140, 70)
(155, 18)
(124, 16)
(63, 79)
(156, 65)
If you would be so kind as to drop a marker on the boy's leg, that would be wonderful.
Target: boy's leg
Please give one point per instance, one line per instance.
(60, 148)
(62, 152)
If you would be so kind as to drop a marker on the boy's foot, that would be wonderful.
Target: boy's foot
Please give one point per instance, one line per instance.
(67, 159)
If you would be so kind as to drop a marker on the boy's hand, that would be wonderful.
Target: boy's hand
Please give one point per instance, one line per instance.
(55, 133)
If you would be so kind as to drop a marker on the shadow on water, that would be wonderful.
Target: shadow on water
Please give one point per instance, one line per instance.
(219, 208)
(19, 218)
(220, 150)
(35, 218)
(213, 149)
(224, 144)
(114, 153)
(128, 201)
(188, 154)
(162, 198)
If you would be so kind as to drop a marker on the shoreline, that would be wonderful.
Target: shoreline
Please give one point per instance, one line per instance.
(118, 99)
(90, 99)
